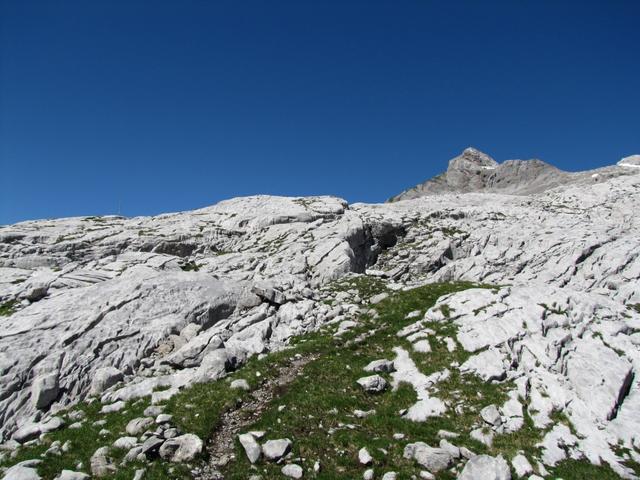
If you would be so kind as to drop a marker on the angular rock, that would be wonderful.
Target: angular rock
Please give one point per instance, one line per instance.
(181, 449)
(104, 378)
(364, 457)
(45, 390)
(373, 383)
(433, 459)
(139, 425)
(491, 415)
(378, 366)
(292, 471)
(251, 446)
(101, 464)
(274, 450)
(125, 443)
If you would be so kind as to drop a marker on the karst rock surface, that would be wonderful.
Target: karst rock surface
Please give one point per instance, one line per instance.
(117, 307)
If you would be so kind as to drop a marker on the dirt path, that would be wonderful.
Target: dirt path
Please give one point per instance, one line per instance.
(221, 445)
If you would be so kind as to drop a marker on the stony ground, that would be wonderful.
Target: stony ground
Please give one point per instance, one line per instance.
(504, 332)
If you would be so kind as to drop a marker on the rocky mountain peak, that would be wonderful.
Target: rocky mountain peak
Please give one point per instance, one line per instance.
(472, 159)
(475, 171)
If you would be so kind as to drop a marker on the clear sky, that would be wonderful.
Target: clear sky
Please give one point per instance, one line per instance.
(156, 106)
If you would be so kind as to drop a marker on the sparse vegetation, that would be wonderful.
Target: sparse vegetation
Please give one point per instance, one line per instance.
(190, 266)
(8, 308)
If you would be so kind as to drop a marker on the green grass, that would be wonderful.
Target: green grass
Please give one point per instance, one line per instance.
(190, 266)
(326, 394)
(8, 308)
(582, 469)
(86, 440)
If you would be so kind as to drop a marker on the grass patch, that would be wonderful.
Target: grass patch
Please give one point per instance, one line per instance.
(8, 308)
(581, 469)
(190, 266)
(85, 440)
(319, 404)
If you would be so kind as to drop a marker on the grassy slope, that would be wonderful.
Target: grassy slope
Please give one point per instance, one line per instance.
(319, 405)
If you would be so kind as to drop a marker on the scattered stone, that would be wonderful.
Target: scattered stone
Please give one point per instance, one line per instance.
(491, 415)
(373, 383)
(379, 366)
(181, 449)
(390, 476)
(364, 457)
(274, 450)
(163, 418)
(139, 425)
(125, 443)
(151, 445)
(240, 384)
(101, 463)
(139, 474)
(152, 411)
(368, 474)
(378, 298)
(251, 446)
(433, 459)
(363, 414)
(113, 407)
(292, 471)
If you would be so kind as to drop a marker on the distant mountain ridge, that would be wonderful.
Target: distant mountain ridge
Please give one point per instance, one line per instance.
(475, 171)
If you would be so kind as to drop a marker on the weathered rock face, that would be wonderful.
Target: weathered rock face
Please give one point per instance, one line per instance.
(114, 295)
(116, 307)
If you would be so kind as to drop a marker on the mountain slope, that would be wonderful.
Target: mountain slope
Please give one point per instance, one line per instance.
(105, 317)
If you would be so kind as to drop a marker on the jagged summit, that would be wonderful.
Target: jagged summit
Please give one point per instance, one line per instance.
(475, 171)
(472, 158)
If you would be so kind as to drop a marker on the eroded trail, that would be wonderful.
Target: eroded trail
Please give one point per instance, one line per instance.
(221, 445)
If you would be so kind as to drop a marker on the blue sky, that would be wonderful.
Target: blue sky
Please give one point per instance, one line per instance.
(160, 106)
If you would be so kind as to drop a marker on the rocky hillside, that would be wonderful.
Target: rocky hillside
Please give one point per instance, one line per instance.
(489, 331)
